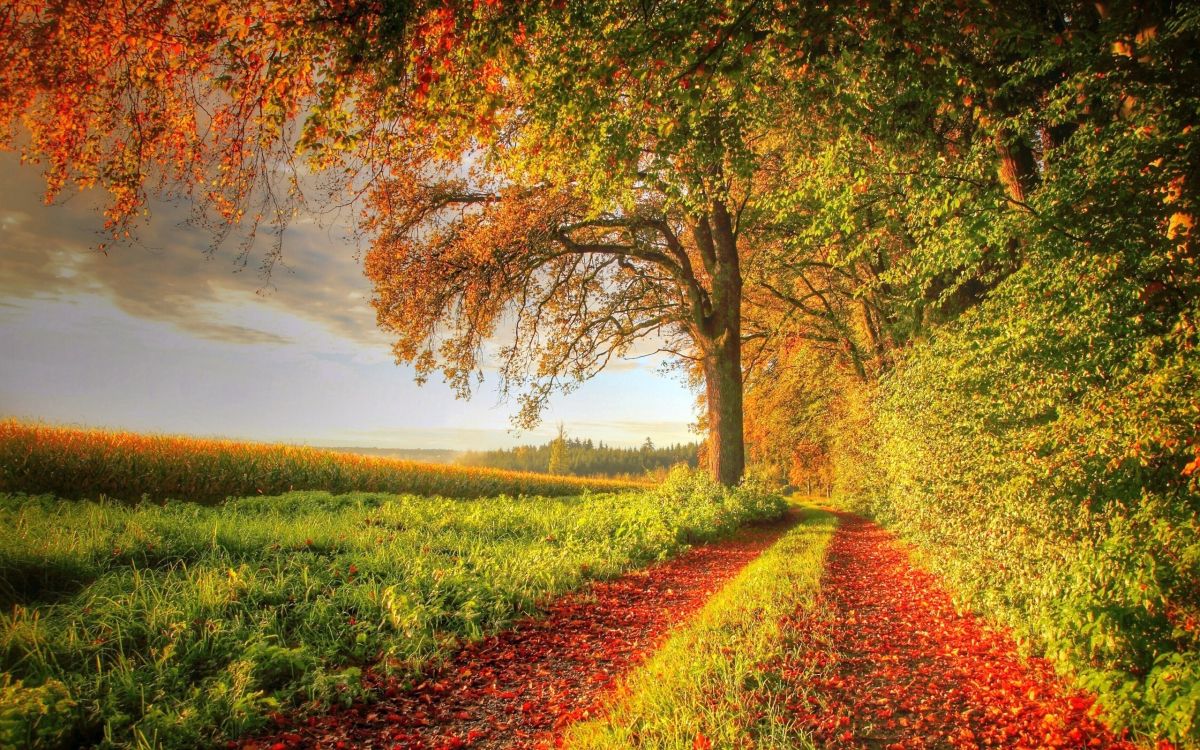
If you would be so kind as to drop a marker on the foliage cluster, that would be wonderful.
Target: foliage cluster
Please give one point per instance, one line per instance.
(76, 463)
(583, 457)
(180, 625)
(987, 294)
(716, 683)
(1064, 499)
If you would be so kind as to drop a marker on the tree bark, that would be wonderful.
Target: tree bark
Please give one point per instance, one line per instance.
(723, 387)
(722, 351)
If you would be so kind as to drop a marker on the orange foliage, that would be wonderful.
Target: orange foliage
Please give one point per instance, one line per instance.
(193, 93)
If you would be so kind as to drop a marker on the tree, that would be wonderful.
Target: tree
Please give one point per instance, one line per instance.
(558, 453)
(602, 201)
(585, 458)
(579, 175)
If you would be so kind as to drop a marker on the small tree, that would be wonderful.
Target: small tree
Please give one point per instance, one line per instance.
(559, 463)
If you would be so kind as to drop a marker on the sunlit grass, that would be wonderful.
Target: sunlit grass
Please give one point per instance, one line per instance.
(716, 683)
(176, 626)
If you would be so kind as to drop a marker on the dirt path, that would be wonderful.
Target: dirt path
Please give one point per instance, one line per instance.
(899, 667)
(518, 688)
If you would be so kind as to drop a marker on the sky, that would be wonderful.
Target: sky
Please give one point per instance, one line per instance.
(163, 336)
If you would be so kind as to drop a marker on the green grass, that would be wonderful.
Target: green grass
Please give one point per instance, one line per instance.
(718, 678)
(176, 626)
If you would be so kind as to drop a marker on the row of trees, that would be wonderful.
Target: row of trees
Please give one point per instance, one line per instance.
(985, 311)
(939, 255)
(565, 455)
(709, 176)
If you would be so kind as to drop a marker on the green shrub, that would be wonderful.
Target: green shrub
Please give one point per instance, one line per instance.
(34, 716)
(1037, 450)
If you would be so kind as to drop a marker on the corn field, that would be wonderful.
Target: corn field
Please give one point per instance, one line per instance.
(84, 463)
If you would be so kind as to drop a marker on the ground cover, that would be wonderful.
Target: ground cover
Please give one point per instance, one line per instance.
(177, 625)
(835, 639)
(887, 661)
(716, 683)
(523, 687)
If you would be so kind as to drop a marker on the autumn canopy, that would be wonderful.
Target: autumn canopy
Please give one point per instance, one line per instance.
(935, 257)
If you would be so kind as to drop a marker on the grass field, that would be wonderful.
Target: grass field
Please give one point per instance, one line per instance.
(716, 683)
(88, 464)
(179, 625)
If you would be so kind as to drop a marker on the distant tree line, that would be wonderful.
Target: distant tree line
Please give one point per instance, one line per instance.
(564, 455)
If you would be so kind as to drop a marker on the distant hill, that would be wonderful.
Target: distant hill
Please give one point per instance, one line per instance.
(428, 455)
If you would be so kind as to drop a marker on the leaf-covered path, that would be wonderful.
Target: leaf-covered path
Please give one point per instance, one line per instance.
(518, 688)
(886, 661)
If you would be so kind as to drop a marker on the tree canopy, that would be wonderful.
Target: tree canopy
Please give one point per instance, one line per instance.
(938, 257)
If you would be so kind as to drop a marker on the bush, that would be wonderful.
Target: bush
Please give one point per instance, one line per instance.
(34, 716)
(1039, 452)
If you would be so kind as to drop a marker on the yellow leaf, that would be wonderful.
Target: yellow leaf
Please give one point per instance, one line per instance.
(1179, 226)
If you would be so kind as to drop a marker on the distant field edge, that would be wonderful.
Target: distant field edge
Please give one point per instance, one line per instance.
(84, 463)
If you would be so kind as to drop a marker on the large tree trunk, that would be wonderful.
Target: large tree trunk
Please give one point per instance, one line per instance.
(723, 386)
(723, 355)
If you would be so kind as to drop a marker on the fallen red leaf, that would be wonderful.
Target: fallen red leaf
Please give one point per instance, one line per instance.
(889, 644)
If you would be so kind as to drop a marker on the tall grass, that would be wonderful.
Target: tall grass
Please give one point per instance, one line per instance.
(717, 683)
(176, 626)
(79, 463)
